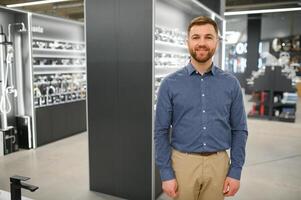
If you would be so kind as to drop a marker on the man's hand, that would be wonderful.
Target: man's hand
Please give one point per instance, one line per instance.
(170, 188)
(231, 186)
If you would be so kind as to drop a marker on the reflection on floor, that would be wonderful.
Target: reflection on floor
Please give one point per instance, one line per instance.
(60, 169)
(5, 195)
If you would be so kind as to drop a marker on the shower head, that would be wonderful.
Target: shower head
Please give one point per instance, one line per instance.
(21, 27)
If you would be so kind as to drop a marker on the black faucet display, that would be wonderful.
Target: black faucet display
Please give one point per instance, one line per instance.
(16, 185)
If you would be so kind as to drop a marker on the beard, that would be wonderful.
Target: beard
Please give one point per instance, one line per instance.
(201, 57)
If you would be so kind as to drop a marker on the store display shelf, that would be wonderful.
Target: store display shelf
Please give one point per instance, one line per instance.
(71, 71)
(58, 50)
(171, 52)
(65, 81)
(57, 56)
(60, 103)
(162, 75)
(166, 70)
(167, 67)
(161, 43)
(284, 105)
(63, 93)
(43, 67)
(283, 119)
(57, 40)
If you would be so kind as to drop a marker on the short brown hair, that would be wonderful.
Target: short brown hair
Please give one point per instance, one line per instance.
(202, 20)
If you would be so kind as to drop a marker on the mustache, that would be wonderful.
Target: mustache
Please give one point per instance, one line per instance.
(202, 47)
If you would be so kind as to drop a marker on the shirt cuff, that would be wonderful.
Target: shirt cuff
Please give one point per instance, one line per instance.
(167, 174)
(234, 172)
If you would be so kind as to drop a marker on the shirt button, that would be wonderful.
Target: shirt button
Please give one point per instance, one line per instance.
(204, 144)
(204, 111)
(202, 79)
(204, 127)
(203, 95)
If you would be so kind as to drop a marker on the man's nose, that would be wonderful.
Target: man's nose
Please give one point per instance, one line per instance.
(201, 41)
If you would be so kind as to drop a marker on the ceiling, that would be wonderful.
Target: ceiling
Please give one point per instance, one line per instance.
(239, 5)
(74, 9)
(71, 9)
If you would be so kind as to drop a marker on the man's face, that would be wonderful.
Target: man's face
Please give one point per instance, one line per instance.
(202, 42)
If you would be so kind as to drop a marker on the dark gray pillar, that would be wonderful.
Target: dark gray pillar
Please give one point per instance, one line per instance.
(254, 31)
(218, 6)
(119, 73)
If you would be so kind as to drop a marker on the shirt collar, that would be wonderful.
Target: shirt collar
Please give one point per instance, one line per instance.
(192, 70)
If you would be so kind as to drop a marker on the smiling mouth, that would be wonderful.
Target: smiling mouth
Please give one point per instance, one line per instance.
(202, 49)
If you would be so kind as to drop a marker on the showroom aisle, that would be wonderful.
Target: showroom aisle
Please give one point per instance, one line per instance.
(60, 169)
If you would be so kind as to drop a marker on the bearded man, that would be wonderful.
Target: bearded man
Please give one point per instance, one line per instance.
(203, 107)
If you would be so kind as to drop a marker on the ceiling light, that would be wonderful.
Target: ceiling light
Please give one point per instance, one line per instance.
(247, 12)
(69, 5)
(34, 3)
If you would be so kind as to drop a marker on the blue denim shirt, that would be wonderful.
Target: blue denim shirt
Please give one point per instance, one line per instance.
(206, 113)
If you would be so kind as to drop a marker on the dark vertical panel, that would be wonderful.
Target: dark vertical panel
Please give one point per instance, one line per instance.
(76, 117)
(60, 121)
(102, 88)
(44, 126)
(119, 71)
(213, 5)
(135, 95)
(254, 30)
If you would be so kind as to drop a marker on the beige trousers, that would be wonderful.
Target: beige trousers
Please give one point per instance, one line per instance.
(200, 177)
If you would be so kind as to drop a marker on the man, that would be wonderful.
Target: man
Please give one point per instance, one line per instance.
(204, 107)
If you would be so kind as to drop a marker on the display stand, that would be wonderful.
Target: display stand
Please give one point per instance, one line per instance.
(49, 75)
(59, 78)
(268, 94)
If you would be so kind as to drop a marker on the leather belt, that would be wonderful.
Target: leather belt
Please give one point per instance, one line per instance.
(203, 153)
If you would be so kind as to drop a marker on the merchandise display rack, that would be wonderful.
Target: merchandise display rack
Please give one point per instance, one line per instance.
(54, 60)
(48, 74)
(59, 77)
(274, 96)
